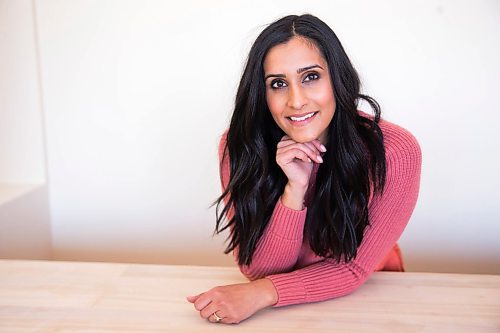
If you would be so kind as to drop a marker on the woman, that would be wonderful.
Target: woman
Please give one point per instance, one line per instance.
(315, 192)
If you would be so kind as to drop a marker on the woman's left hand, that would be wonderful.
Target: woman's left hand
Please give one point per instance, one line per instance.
(234, 303)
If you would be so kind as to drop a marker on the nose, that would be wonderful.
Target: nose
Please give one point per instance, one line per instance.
(296, 98)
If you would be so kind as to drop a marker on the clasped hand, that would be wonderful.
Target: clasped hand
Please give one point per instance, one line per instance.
(234, 303)
(296, 160)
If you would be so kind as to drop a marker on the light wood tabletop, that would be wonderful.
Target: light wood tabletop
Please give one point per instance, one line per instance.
(74, 297)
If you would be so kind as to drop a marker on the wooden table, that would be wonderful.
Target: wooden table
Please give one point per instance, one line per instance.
(71, 297)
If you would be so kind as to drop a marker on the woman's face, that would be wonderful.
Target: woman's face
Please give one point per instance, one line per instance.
(299, 91)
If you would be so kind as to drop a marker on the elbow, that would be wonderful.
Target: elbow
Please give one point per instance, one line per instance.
(358, 277)
(358, 282)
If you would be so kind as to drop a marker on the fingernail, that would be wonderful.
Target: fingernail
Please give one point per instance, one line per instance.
(309, 160)
(320, 159)
(322, 148)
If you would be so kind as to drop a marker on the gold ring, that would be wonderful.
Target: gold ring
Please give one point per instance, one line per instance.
(217, 318)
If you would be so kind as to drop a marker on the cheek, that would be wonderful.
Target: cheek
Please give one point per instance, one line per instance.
(326, 98)
(274, 104)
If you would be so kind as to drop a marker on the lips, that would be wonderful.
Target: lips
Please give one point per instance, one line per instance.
(301, 118)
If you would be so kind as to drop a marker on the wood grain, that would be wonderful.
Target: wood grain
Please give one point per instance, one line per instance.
(75, 297)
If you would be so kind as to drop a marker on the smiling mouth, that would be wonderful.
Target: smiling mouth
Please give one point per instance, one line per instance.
(302, 118)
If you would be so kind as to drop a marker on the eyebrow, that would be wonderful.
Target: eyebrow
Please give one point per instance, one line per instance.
(300, 70)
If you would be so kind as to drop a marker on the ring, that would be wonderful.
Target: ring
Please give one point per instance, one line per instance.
(217, 318)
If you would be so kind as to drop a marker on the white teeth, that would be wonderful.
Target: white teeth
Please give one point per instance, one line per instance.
(303, 118)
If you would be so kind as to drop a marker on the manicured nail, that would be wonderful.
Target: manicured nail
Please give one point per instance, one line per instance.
(322, 148)
(320, 159)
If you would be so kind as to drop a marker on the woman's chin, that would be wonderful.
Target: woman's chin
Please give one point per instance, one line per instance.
(302, 138)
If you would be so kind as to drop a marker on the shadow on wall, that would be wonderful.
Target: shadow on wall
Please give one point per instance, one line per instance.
(190, 256)
(25, 231)
(444, 264)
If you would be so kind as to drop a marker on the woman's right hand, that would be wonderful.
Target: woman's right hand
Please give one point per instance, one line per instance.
(296, 160)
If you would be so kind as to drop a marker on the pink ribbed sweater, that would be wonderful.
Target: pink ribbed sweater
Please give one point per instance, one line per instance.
(283, 255)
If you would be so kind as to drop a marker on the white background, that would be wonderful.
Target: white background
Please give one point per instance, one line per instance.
(130, 98)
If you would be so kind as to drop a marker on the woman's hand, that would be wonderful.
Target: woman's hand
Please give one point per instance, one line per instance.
(296, 160)
(234, 303)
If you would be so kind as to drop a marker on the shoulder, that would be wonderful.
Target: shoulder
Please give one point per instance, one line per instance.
(403, 157)
(399, 141)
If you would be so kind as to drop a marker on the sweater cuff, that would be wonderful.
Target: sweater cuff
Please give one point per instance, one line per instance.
(290, 289)
(287, 223)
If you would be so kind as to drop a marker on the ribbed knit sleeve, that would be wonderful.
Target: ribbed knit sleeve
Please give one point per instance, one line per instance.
(278, 248)
(389, 214)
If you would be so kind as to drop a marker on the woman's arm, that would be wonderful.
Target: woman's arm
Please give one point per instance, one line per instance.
(388, 215)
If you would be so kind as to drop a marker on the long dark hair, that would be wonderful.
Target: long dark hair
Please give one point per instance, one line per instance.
(354, 165)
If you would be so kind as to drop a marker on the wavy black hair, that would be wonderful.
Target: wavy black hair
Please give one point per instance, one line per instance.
(354, 165)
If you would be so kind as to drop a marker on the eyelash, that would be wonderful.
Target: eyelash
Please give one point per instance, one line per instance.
(315, 76)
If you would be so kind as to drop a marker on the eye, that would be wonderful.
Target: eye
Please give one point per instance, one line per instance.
(278, 84)
(311, 77)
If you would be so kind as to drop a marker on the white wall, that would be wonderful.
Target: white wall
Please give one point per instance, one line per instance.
(442, 84)
(21, 137)
(136, 94)
(24, 213)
